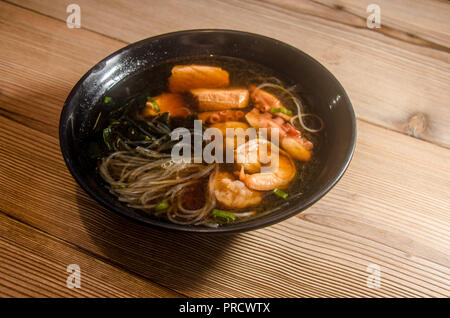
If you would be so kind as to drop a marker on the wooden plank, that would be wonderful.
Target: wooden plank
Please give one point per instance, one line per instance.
(392, 81)
(40, 62)
(33, 264)
(417, 19)
(323, 252)
(422, 23)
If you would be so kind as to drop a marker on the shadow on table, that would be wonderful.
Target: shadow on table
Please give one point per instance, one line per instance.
(176, 260)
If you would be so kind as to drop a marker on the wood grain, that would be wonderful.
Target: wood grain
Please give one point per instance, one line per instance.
(415, 22)
(323, 252)
(41, 60)
(394, 78)
(33, 264)
(399, 22)
(390, 208)
(330, 245)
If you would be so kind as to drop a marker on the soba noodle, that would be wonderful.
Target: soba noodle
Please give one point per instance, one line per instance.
(143, 179)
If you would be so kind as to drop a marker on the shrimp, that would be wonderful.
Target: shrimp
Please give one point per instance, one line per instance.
(299, 147)
(232, 193)
(266, 101)
(231, 125)
(264, 170)
(291, 139)
(236, 135)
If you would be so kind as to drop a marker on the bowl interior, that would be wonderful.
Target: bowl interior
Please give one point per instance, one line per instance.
(320, 89)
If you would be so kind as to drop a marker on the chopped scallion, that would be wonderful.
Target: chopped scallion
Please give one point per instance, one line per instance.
(106, 135)
(107, 99)
(154, 103)
(162, 206)
(280, 193)
(286, 111)
(274, 110)
(228, 216)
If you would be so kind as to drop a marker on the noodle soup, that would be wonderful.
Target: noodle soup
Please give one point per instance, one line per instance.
(136, 132)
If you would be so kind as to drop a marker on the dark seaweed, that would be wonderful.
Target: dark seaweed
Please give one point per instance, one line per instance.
(122, 128)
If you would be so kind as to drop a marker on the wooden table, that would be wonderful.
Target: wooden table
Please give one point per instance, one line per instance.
(389, 212)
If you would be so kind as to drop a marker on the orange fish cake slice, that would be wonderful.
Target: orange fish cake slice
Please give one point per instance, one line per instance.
(187, 77)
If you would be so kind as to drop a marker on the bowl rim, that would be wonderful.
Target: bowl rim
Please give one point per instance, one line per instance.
(233, 228)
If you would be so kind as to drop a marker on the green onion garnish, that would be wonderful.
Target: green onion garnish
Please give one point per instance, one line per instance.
(106, 135)
(108, 99)
(228, 216)
(161, 206)
(274, 110)
(286, 111)
(280, 193)
(154, 103)
(122, 186)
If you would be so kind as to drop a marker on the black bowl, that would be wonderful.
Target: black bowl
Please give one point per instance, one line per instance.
(325, 95)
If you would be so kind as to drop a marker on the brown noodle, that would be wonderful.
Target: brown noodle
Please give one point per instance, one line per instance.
(144, 179)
